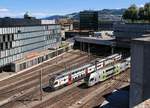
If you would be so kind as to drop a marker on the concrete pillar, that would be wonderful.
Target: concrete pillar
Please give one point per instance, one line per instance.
(140, 71)
(112, 50)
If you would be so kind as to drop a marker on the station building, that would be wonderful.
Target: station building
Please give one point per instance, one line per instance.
(21, 37)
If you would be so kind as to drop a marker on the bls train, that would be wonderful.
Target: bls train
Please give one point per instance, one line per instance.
(67, 78)
(106, 72)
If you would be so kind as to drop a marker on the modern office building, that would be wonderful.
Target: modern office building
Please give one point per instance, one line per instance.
(20, 37)
(89, 20)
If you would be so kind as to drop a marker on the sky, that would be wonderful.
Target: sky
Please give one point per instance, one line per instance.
(43, 8)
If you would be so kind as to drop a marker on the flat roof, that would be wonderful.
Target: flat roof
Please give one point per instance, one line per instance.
(33, 55)
(78, 31)
(95, 40)
(143, 40)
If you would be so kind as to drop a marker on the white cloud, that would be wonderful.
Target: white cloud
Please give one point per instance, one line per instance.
(38, 14)
(4, 10)
(141, 5)
(20, 14)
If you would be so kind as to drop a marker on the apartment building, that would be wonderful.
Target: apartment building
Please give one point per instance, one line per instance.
(18, 40)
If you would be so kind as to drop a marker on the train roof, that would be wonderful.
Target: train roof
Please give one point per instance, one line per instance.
(114, 55)
(63, 73)
(128, 59)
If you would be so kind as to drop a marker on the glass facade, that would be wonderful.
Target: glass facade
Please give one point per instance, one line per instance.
(89, 20)
(16, 42)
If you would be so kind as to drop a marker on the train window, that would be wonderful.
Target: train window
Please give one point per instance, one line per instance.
(110, 69)
(56, 83)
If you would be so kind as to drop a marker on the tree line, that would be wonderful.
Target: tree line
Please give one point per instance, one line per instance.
(134, 13)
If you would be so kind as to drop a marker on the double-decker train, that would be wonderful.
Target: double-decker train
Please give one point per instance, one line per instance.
(107, 72)
(67, 78)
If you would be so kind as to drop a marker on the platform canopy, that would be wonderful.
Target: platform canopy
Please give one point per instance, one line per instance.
(95, 40)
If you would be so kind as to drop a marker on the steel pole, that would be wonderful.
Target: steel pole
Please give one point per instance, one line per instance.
(41, 91)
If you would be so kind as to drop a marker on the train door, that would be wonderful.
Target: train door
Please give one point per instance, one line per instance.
(69, 79)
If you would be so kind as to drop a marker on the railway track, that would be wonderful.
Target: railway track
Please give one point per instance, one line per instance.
(20, 76)
(29, 76)
(32, 82)
(117, 83)
(72, 97)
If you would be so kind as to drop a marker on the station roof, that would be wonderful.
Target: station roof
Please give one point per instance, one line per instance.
(143, 40)
(95, 40)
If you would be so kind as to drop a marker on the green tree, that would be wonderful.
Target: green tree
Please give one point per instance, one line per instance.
(147, 11)
(131, 13)
(141, 14)
(126, 15)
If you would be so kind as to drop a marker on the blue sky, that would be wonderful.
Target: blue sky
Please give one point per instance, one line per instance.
(42, 8)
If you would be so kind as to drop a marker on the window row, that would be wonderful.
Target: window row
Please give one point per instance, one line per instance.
(21, 49)
(5, 45)
(6, 38)
(32, 34)
(27, 41)
(4, 61)
(10, 30)
(16, 50)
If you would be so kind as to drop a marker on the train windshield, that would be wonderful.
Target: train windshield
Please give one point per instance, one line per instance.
(91, 79)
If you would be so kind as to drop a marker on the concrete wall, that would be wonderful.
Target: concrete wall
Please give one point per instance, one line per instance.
(140, 72)
(145, 104)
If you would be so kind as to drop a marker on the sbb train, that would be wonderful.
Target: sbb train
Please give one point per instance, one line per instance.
(67, 78)
(107, 72)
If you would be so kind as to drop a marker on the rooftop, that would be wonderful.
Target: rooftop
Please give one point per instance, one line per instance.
(143, 40)
(94, 40)
(19, 22)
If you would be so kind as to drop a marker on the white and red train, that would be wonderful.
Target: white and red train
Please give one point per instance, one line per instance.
(67, 78)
